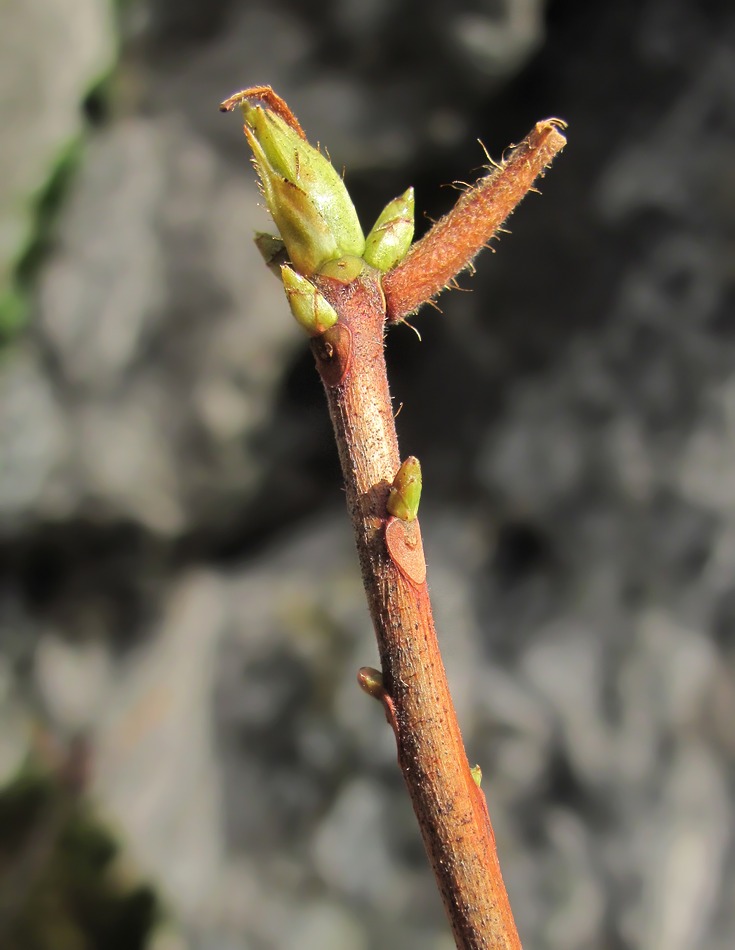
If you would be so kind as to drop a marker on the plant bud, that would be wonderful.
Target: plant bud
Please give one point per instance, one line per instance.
(405, 493)
(304, 193)
(391, 236)
(370, 681)
(309, 307)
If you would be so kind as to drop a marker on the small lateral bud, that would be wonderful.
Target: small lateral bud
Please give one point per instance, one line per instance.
(311, 309)
(476, 773)
(405, 492)
(370, 681)
(391, 236)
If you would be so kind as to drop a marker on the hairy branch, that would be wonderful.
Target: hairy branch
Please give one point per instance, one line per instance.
(452, 243)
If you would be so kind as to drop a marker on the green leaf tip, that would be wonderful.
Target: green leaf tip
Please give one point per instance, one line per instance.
(312, 311)
(303, 192)
(405, 492)
(476, 773)
(391, 236)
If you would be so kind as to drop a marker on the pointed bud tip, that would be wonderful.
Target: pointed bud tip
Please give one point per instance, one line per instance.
(390, 239)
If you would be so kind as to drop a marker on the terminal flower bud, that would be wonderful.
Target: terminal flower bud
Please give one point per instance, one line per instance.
(304, 193)
(405, 492)
(309, 307)
(391, 236)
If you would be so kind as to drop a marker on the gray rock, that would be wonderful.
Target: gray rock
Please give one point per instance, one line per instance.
(50, 56)
(102, 292)
(161, 339)
(685, 853)
(154, 762)
(351, 851)
(219, 738)
(33, 449)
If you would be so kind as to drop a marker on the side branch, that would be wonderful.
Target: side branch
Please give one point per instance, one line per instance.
(452, 243)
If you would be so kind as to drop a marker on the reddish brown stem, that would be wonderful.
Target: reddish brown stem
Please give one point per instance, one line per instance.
(449, 806)
(452, 243)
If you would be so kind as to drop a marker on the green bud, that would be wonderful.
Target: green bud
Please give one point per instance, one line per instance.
(391, 236)
(405, 492)
(304, 193)
(476, 773)
(309, 307)
(344, 270)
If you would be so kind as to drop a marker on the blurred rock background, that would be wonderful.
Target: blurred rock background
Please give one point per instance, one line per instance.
(179, 595)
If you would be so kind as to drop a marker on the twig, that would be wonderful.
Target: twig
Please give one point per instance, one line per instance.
(450, 807)
(344, 290)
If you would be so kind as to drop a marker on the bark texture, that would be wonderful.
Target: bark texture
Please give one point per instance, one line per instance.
(449, 806)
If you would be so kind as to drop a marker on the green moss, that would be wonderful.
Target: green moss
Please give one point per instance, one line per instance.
(14, 299)
(45, 205)
(59, 884)
(13, 313)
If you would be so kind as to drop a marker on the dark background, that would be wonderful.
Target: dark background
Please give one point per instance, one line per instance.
(178, 585)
